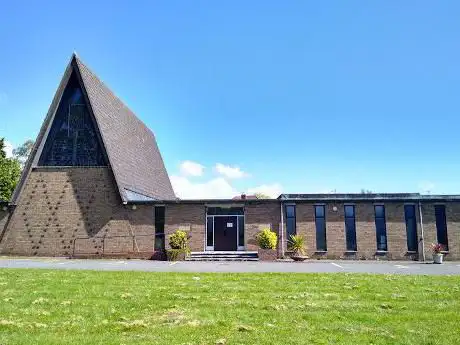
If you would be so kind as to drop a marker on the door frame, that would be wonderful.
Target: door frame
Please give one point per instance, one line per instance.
(238, 245)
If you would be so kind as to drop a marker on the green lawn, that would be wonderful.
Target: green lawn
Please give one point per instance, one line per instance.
(86, 307)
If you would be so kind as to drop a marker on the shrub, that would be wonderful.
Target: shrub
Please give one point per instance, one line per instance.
(178, 240)
(296, 244)
(267, 239)
(176, 254)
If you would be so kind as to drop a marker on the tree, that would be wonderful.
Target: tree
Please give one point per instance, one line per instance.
(10, 171)
(261, 196)
(22, 152)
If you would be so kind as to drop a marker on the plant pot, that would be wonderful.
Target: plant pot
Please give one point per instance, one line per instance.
(299, 257)
(437, 258)
(267, 254)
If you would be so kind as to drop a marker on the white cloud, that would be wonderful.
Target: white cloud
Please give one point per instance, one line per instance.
(189, 168)
(271, 190)
(426, 187)
(217, 188)
(8, 149)
(231, 172)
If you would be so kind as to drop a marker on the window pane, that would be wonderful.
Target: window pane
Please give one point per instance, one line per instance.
(209, 232)
(159, 220)
(290, 227)
(241, 231)
(441, 225)
(159, 242)
(319, 211)
(381, 233)
(211, 211)
(290, 211)
(411, 228)
(379, 211)
(349, 211)
(321, 234)
(350, 232)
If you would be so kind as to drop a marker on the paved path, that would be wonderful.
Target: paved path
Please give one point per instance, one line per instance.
(402, 267)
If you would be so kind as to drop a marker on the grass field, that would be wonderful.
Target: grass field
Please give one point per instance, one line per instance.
(88, 307)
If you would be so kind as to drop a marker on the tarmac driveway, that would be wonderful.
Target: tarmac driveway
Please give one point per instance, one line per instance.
(323, 266)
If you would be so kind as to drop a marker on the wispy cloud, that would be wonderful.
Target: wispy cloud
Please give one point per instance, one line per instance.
(271, 190)
(189, 168)
(220, 187)
(230, 172)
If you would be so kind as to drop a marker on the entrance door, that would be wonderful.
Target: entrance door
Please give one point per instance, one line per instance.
(225, 233)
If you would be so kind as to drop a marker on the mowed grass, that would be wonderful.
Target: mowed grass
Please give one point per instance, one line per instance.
(89, 307)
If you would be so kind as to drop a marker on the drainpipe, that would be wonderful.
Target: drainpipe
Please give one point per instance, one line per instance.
(421, 228)
(282, 230)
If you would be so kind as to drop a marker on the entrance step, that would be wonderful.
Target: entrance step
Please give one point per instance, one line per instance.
(223, 256)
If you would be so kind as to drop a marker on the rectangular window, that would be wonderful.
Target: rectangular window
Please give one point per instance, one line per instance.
(240, 231)
(350, 227)
(210, 232)
(441, 225)
(380, 227)
(159, 228)
(320, 222)
(411, 228)
(290, 221)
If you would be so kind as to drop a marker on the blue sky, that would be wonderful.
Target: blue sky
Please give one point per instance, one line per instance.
(301, 96)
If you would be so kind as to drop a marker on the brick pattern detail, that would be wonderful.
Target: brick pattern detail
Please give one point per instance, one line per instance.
(189, 218)
(62, 207)
(260, 216)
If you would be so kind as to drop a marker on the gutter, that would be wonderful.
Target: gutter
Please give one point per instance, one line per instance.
(282, 230)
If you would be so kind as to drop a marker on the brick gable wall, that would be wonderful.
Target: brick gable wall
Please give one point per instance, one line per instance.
(62, 207)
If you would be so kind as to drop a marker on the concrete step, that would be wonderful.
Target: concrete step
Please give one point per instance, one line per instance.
(220, 259)
(223, 256)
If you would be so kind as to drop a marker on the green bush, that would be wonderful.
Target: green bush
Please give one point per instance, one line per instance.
(178, 240)
(267, 239)
(176, 254)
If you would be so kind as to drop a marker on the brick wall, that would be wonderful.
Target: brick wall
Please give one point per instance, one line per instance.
(4, 214)
(62, 206)
(189, 218)
(453, 228)
(259, 216)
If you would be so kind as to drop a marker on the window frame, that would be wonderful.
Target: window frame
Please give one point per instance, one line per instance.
(406, 219)
(348, 229)
(320, 233)
(380, 230)
(294, 218)
(446, 245)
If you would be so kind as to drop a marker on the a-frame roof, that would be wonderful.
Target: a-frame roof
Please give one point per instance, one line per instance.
(131, 148)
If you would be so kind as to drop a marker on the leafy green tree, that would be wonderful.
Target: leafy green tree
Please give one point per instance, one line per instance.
(10, 171)
(22, 152)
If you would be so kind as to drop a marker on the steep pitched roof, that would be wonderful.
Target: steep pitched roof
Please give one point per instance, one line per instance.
(131, 147)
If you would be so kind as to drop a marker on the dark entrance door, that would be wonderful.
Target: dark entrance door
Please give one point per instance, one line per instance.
(225, 233)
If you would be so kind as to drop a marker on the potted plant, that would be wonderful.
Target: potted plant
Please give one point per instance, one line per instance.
(296, 245)
(437, 249)
(267, 240)
(178, 241)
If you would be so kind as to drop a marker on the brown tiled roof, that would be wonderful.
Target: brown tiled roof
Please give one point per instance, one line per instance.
(131, 147)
